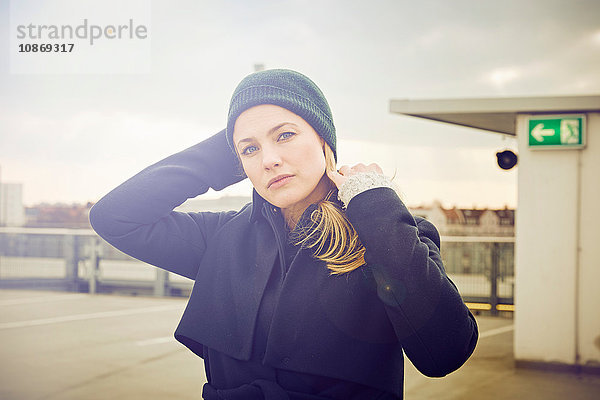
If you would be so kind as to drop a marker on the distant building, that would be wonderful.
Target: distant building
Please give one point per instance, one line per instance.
(77, 215)
(12, 212)
(58, 216)
(474, 257)
(468, 222)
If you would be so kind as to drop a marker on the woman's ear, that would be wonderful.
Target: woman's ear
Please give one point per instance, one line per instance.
(323, 144)
(330, 163)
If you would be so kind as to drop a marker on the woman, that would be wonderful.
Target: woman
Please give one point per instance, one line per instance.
(315, 288)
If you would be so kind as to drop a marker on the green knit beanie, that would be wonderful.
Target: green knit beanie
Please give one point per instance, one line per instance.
(288, 89)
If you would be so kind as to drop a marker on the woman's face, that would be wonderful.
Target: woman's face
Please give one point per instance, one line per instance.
(282, 156)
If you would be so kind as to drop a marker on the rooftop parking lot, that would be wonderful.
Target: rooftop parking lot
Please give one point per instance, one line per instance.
(57, 345)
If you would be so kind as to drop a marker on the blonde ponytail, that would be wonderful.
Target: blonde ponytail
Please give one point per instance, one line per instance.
(331, 235)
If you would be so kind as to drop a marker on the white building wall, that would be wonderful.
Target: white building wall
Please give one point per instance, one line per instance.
(589, 255)
(438, 219)
(489, 223)
(557, 297)
(12, 212)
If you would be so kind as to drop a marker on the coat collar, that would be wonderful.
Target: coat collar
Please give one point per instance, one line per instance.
(258, 203)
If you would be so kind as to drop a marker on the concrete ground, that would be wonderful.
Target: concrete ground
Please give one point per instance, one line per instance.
(77, 346)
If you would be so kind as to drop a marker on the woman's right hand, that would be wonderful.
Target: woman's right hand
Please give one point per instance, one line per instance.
(340, 176)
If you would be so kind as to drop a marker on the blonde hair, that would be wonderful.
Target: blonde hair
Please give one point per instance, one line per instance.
(330, 234)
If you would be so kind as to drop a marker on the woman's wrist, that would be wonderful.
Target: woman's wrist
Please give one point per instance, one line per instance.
(361, 182)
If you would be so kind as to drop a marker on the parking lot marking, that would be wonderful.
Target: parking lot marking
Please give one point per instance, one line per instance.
(41, 299)
(83, 317)
(496, 331)
(160, 340)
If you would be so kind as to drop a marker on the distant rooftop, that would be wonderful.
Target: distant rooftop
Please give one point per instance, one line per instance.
(492, 114)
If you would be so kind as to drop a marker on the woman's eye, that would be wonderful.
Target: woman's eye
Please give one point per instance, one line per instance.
(286, 135)
(249, 150)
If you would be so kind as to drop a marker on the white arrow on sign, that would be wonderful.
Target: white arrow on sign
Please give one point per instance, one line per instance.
(539, 132)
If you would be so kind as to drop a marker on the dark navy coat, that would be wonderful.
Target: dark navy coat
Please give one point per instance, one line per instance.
(352, 327)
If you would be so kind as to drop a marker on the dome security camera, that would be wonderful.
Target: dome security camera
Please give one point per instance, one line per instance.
(506, 159)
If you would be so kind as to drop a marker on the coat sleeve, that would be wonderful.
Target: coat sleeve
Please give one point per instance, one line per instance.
(137, 216)
(437, 331)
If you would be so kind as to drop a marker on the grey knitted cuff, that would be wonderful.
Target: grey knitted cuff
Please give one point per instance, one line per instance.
(360, 182)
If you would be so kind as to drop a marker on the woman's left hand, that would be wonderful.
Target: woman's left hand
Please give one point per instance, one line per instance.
(340, 176)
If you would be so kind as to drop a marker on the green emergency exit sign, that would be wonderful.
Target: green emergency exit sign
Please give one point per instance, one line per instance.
(557, 132)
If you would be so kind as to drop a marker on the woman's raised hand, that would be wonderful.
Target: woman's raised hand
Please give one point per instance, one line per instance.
(340, 176)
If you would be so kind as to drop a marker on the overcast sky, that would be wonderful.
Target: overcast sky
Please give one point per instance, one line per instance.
(73, 137)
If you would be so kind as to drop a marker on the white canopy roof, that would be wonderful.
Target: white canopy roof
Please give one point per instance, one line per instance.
(493, 114)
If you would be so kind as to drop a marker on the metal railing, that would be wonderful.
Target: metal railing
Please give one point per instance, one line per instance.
(482, 268)
(78, 260)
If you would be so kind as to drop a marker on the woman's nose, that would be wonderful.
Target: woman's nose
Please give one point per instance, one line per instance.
(271, 158)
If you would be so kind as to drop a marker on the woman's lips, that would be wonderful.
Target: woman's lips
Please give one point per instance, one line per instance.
(280, 182)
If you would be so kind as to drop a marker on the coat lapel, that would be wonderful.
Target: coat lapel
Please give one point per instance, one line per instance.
(223, 307)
